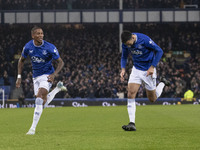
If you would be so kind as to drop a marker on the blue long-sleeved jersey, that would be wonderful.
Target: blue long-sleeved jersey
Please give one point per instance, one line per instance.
(144, 52)
(41, 57)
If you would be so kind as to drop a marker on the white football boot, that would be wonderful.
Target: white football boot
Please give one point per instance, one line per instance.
(61, 86)
(30, 132)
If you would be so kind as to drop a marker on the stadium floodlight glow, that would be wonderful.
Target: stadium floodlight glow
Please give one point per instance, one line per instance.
(3, 97)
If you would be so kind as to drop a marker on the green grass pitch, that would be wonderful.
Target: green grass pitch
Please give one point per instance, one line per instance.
(175, 127)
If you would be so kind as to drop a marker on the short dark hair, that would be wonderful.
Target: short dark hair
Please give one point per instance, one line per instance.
(35, 28)
(125, 36)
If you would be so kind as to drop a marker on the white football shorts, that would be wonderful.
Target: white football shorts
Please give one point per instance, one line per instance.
(41, 82)
(139, 76)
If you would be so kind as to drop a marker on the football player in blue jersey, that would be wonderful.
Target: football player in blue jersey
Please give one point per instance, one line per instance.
(41, 53)
(146, 55)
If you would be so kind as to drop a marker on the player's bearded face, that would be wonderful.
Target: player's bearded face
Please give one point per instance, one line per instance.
(131, 41)
(38, 36)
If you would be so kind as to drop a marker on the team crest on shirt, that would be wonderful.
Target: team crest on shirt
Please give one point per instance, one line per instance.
(55, 51)
(30, 51)
(151, 42)
(44, 52)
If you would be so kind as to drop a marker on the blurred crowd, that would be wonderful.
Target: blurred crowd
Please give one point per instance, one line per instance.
(92, 58)
(181, 78)
(92, 4)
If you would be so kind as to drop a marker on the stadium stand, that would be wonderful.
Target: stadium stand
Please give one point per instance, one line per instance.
(92, 58)
(92, 4)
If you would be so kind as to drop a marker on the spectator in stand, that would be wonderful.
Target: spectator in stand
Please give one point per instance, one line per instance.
(6, 78)
(188, 95)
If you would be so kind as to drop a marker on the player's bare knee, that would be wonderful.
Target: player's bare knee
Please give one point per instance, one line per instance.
(41, 96)
(42, 93)
(151, 99)
(151, 95)
(131, 95)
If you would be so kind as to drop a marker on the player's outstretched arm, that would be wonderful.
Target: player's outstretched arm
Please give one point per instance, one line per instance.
(20, 68)
(59, 67)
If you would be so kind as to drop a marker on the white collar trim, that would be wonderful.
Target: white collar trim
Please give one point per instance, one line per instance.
(40, 45)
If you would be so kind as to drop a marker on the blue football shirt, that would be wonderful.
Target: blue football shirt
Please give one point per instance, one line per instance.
(145, 52)
(41, 57)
